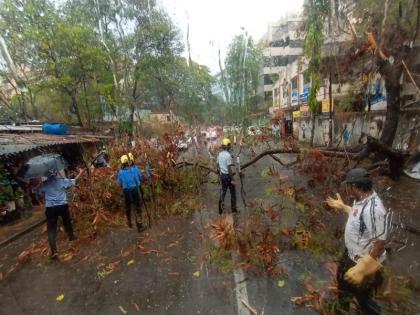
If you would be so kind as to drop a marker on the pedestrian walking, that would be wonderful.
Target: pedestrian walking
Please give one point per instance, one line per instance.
(56, 205)
(359, 272)
(130, 179)
(226, 172)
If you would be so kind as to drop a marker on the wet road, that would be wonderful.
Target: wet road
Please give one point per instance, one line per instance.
(162, 271)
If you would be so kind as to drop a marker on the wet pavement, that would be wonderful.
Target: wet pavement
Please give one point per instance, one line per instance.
(156, 276)
(163, 270)
(29, 218)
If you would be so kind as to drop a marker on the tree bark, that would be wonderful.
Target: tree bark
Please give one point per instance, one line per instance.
(312, 130)
(75, 107)
(89, 118)
(391, 75)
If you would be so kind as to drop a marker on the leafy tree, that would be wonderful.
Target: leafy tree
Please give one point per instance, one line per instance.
(242, 69)
(383, 37)
(317, 11)
(84, 59)
(391, 31)
(53, 55)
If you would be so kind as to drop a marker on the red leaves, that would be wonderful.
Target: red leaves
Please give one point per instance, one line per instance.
(223, 232)
(319, 298)
(319, 168)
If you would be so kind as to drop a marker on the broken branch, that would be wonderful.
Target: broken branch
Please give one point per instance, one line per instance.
(268, 152)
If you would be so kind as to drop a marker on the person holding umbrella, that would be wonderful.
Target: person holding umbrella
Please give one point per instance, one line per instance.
(56, 205)
(130, 178)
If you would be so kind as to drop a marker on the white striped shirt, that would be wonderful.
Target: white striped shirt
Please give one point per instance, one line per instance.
(368, 221)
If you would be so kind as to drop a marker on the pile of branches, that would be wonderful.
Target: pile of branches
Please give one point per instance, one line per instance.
(253, 242)
(97, 202)
(322, 299)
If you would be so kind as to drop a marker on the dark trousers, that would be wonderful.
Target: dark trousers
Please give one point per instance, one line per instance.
(131, 196)
(363, 293)
(52, 214)
(226, 183)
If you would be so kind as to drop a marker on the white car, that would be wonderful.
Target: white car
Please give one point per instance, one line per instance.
(182, 145)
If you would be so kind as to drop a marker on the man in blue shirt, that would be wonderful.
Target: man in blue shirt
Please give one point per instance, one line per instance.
(130, 179)
(55, 196)
(226, 173)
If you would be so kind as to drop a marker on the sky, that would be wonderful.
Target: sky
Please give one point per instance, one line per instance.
(214, 23)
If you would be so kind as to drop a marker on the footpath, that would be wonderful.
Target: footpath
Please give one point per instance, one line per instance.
(30, 220)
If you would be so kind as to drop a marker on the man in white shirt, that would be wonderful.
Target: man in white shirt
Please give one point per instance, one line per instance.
(226, 174)
(359, 270)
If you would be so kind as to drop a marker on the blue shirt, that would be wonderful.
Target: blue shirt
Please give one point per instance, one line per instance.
(54, 190)
(128, 177)
(224, 160)
(136, 173)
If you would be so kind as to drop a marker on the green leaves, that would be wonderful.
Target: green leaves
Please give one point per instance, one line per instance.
(86, 58)
(242, 66)
(312, 47)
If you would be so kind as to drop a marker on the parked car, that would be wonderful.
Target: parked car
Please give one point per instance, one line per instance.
(182, 144)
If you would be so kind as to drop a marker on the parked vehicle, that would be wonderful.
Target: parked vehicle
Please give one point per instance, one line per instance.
(182, 145)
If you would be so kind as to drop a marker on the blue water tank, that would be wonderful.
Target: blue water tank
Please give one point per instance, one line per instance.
(54, 128)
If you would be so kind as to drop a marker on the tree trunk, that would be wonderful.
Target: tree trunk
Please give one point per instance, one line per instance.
(87, 104)
(75, 108)
(313, 130)
(132, 107)
(34, 108)
(391, 76)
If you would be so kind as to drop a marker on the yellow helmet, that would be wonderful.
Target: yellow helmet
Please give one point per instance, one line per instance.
(124, 159)
(226, 142)
(130, 156)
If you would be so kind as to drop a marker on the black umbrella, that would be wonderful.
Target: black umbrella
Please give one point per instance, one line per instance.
(44, 165)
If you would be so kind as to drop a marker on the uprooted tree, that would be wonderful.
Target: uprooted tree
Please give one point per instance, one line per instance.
(384, 40)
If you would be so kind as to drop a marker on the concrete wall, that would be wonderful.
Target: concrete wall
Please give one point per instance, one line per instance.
(348, 127)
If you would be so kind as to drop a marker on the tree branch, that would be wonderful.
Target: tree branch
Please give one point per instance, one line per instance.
(187, 163)
(275, 158)
(268, 152)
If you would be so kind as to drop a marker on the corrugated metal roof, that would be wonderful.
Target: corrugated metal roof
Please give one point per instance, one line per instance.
(13, 144)
(26, 128)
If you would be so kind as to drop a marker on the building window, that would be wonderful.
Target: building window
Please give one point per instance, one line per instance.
(279, 61)
(268, 79)
(268, 96)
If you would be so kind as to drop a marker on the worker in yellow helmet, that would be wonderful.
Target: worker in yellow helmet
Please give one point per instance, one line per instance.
(226, 172)
(130, 181)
